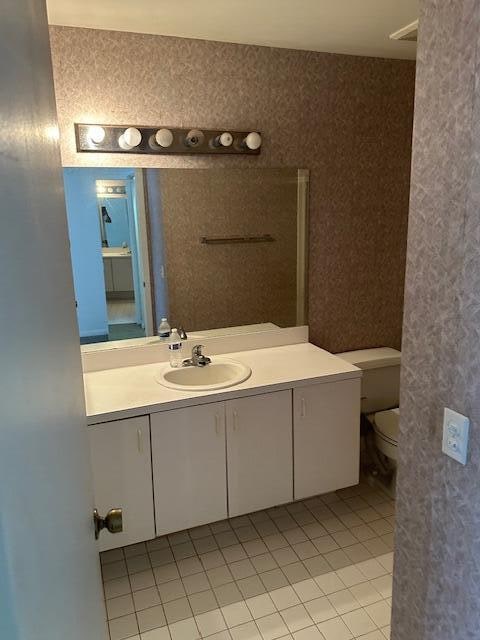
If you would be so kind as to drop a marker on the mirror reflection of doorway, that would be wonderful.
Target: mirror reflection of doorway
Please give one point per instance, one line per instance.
(106, 250)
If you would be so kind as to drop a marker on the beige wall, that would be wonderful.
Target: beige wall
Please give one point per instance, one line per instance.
(225, 285)
(347, 119)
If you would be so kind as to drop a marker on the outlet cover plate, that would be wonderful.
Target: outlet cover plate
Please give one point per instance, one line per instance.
(455, 435)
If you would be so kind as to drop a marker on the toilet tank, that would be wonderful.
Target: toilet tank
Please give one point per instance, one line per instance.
(380, 379)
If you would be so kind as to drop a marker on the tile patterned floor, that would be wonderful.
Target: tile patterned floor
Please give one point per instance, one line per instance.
(313, 570)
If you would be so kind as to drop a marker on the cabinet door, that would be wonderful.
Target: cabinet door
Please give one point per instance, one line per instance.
(107, 270)
(189, 466)
(122, 274)
(326, 437)
(122, 477)
(259, 452)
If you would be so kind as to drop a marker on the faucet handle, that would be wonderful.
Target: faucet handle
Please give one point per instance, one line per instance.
(197, 350)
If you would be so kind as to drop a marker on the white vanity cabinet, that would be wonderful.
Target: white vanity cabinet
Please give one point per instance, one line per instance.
(122, 477)
(189, 466)
(259, 452)
(118, 274)
(326, 436)
(211, 461)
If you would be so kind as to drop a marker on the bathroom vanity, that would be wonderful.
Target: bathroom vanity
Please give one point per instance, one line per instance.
(179, 459)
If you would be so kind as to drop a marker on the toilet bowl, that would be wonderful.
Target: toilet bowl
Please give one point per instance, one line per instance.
(380, 399)
(385, 425)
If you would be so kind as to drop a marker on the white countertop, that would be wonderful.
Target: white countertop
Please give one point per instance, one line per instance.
(125, 392)
(116, 252)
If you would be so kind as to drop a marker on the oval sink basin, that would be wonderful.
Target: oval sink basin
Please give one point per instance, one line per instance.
(219, 374)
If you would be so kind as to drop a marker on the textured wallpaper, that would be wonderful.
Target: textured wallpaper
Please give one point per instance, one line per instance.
(437, 565)
(225, 285)
(347, 119)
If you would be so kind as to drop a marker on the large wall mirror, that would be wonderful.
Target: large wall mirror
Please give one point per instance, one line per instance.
(215, 251)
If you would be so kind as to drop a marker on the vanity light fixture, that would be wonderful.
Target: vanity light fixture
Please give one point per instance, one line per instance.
(225, 139)
(96, 134)
(164, 138)
(253, 141)
(130, 139)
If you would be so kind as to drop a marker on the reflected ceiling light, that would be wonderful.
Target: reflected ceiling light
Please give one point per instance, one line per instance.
(223, 140)
(96, 134)
(130, 138)
(52, 132)
(164, 138)
(253, 141)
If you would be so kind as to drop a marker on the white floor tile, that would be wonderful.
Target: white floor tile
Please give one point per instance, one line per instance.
(203, 602)
(146, 598)
(189, 566)
(184, 630)
(210, 622)
(260, 606)
(196, 582)
(307, 590)
(142, 580)
(351, 575)
(380, 612)
(296, 618)
(117, 587)
(321, 609)
(212, 559)
(251, 586)
(335, 629)
(121, 606)
(151, 618)
(329, 582)
(222, 635)
(246, 631)
(166, 573)
(371, 569)
(311, 633)
(123, 627)
(344, 601)
(358, 622)
(156, 634)
(236, 613)
(365, 593)
(373, 635)
(272, 627)
(171, 590)
(383, 585)
(387, 561)
(284, 597)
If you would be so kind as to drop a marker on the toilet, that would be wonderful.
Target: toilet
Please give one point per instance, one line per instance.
(379, 404)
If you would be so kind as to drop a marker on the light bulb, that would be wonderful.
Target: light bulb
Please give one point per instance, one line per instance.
(194, 138)
(223, 140)
(164, 138)
(253, 141)
(96, 134)
(130, 138)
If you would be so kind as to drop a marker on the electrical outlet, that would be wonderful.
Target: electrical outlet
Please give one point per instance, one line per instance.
(455, 435)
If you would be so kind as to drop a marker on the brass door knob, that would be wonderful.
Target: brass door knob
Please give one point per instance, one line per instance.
(113, 521)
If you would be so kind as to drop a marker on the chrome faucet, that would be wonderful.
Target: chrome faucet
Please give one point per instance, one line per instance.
(197, 359)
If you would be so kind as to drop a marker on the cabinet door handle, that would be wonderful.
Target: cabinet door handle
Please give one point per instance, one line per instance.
(139, 441)
(303, 408)
(217, 424)
(235, 420)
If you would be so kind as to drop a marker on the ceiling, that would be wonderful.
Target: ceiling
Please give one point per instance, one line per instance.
(357, 27)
